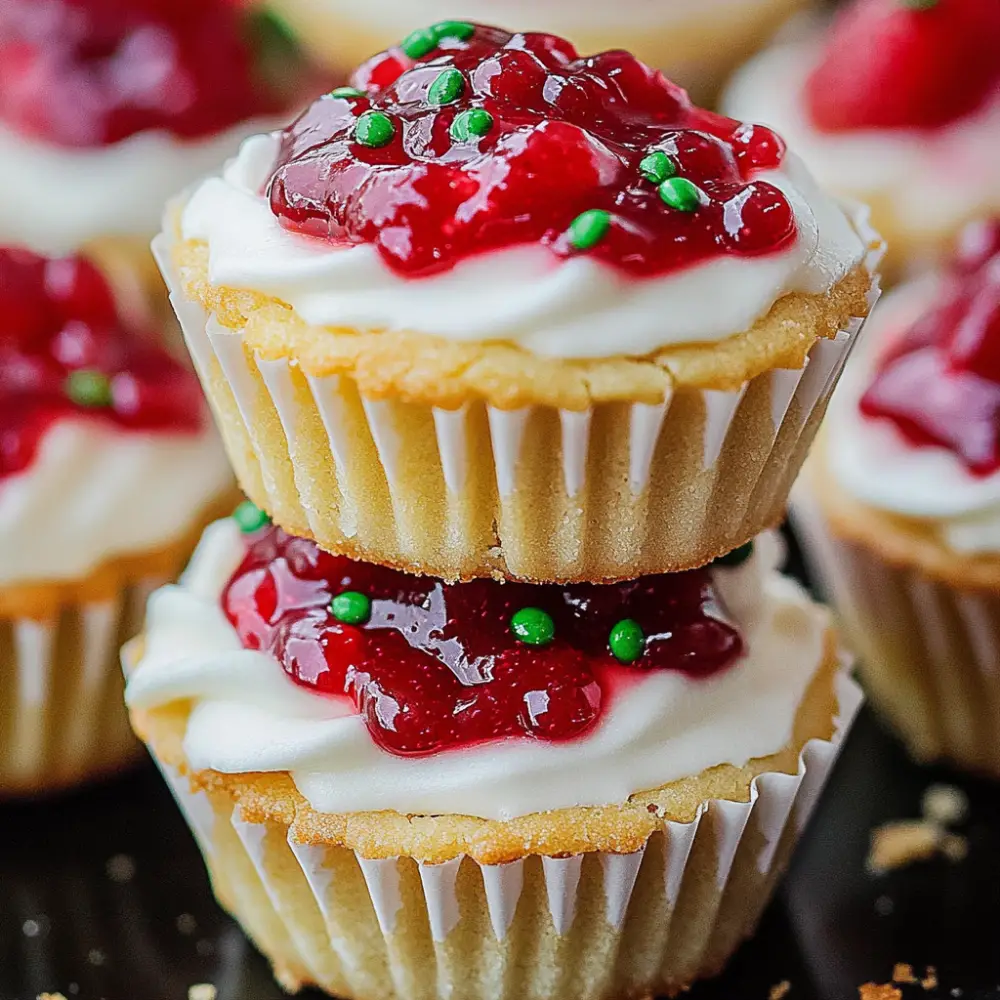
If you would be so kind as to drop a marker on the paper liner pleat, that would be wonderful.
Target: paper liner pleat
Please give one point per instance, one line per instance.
(540, 493)
(593, 925)
(62, 715)
(928, 650)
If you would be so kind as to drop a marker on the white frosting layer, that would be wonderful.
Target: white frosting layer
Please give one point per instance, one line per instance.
(248, 716)
(877, 465)
(59, 198)
(575, 308)
(94, 492)
(933, 180)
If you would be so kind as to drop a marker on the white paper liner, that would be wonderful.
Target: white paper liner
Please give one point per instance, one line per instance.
(63, 717)
(929, 652)
(794, 397)
(422, 918)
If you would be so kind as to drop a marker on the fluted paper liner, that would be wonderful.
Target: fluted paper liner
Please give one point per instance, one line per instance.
(929, 652)
(539, 493)
(63, 718)
(596, 925)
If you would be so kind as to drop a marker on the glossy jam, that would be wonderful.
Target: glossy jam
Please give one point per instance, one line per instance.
(891, 64)
(436, 665)
(93, 72)
(57, 316)
(940, 383)
(568, 135)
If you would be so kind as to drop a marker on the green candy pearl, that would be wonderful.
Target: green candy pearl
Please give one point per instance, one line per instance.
(250, 518)
(447, 87)
(351, 607)
(453, 29)
(533, 626)
(418, 43)
(90, 388)
(627, 641)
(735, 558)
(374, 129)
(657, 167)
(346, 92)
(471, 124)
(589, 228)
(679, 193)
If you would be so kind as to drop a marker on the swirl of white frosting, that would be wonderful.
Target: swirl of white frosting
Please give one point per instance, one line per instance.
(94, 492)
(248, 716)
(60, 198)
(875, 463)
(899, 167)
(574, 308)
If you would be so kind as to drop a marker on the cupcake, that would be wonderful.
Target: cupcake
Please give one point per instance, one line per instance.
(897, 105)
(499, 310)
(109, 469)
(107, 107)
(405, 787)
(900, 507)
(696, 44)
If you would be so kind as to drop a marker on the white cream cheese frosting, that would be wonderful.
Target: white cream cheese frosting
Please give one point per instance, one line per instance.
(901, 168)
(875, 463)
(248, 716)
(94, 492)
(574, 308)
(60, 198)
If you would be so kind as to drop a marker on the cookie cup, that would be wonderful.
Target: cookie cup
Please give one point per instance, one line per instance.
(482, 459)
(924, 621)
(628, 899)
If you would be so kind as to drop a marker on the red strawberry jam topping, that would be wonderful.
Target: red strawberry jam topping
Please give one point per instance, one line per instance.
(465, 139)
(64, 352)
(94, 72)
(915, 64)
(433, 665)
(940, 383)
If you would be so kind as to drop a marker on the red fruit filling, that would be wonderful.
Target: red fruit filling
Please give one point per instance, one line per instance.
(93, 72)
(940, 383)
(433, 666)
(916, 64)
(64, 352)
(466, 139)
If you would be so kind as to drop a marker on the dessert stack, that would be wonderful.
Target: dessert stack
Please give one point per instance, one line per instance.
(493, 687)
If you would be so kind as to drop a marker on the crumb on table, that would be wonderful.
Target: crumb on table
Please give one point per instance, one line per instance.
(945, 805)
(201, 991)
(903, 973)
(880, 991)
(780, 990)
(901, 842)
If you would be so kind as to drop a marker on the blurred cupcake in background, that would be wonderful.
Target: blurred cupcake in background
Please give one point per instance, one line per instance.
(695, 43)
(109, 467)
(897, 104)
(899, 507)
(107, 107)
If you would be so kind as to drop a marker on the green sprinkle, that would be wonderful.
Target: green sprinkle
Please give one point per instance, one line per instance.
(452, 29)
(471, 124)
(533, 626)
(351, 607)
(346, 92)
(681, 194)
(657, 167)
(250, 518)
(589, 228)
(737, 557)
(418, 43)
(447, 87)
(627, 641)
(90, 388)
(374, 129)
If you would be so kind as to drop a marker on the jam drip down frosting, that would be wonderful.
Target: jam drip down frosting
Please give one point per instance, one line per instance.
(939, 383)
(66, 353)
(433, 666)
(465, 139)
(94, 72)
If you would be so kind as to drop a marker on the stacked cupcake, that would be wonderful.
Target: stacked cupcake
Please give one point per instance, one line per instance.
(109, 464)
(900, 507)
(521, 352)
